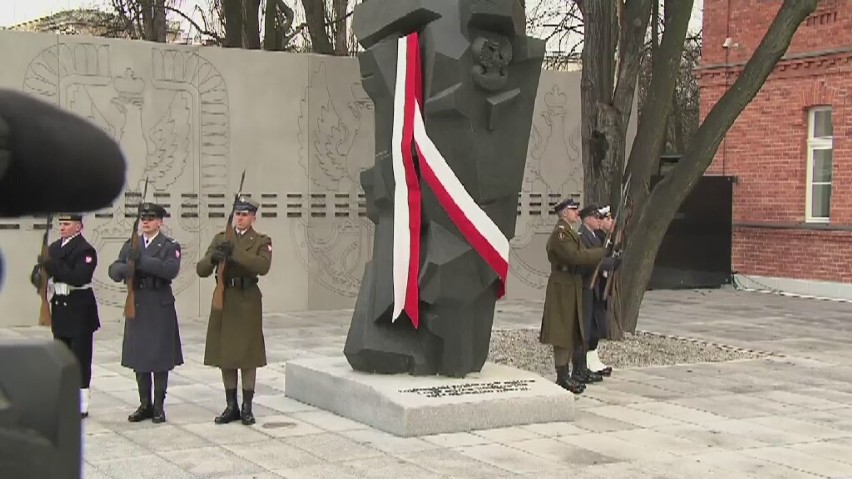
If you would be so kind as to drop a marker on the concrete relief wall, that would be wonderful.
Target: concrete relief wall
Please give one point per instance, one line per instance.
(191, 119)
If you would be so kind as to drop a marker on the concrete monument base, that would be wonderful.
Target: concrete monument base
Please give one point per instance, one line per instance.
(404, 405)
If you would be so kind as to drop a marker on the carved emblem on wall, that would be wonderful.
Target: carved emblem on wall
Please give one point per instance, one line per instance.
(171, 117)
(332, 238)
(554, 170)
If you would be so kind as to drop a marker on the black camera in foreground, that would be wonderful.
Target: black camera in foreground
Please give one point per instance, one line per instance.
(50, 161)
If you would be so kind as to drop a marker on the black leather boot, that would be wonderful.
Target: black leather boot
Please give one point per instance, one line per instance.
(159, 402)
(585, 376)
(247, 416)
(145, 409)
(568, 383)
(232, 410)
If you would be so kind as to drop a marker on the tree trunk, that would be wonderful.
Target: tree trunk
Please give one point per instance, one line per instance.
(315, 17)
(598, 119)
(251, 24)
(341, 37)
(233, 12)
(161, 26)
(654, 211)
(608, 89)
(279, 19)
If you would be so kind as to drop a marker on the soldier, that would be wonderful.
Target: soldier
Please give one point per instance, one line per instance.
(594, 304)
(71, 264)
(561, 324)
(592, 359)
(152, 343)
(235, 334)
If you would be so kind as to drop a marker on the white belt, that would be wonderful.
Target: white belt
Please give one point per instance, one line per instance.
(64, 289)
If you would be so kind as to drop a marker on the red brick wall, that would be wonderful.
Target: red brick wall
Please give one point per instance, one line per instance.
(829, 27)
(767, 146)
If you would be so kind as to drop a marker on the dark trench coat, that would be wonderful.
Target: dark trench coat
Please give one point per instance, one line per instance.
(151, 339)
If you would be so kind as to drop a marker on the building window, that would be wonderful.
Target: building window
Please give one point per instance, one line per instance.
(820, 155)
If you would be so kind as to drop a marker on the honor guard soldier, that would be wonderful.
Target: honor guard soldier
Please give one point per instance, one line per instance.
(592, 358)
(561, 324)
(70, 264)
(152, 345)
(235, 334)
(587, 366)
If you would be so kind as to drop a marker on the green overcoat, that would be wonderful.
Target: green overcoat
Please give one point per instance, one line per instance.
(235, 334)
(563, 300)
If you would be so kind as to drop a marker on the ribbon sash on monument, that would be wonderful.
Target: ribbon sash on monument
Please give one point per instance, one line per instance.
(409, 132)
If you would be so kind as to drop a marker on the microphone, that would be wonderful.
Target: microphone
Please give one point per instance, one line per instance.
(53, 160)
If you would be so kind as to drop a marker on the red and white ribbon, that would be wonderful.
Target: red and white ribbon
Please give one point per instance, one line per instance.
(409, 132)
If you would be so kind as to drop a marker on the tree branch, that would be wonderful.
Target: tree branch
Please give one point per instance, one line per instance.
(651, 131)
(195, 25)
(698, 156)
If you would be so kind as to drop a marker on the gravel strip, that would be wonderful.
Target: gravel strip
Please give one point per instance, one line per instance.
(520, 348)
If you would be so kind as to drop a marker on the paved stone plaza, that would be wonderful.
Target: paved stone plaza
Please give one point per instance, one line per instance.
(786, 415)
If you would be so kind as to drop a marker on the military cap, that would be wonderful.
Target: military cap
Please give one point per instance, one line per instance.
(604, 212)
(152, 210)
(69, 217)
(246, 203)
(590, 210)
(567, 203)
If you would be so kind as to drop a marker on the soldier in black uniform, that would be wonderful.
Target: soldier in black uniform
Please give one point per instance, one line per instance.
(592, 358)
(70, 265)
(594, 303)
(152, 339)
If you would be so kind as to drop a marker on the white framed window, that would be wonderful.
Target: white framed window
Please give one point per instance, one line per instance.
(820, 161)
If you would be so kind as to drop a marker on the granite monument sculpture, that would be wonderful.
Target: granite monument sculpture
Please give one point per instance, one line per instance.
(454, 84)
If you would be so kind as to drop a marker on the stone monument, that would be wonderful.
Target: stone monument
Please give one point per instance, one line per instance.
(454, 85)
(431, 311)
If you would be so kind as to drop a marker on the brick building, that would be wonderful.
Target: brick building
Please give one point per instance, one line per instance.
(790, 150)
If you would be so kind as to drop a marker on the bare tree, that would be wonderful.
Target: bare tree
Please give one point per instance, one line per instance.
(649, 212)
(613, 39)
(144, 19)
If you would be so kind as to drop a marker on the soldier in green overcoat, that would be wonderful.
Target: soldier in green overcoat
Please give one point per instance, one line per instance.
(561, 323)
(235, 334)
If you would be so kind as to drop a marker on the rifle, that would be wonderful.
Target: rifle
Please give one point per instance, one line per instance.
(44, 318)
(615, 222)
(618, 235)
(130, 303)
(219, 292)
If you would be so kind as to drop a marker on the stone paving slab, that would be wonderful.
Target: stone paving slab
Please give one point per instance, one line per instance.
(785, 415)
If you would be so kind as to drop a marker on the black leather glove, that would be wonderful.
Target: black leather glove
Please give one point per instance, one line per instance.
(134, 255)
(35, 276)
(226, 247)
(217, 256)
(49, 264)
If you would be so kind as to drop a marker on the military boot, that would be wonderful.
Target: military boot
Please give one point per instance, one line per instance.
(562, 379)
(145, 409)
(586, 376)
(247, 416)
(159, 415)
(232, 410)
